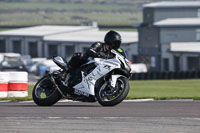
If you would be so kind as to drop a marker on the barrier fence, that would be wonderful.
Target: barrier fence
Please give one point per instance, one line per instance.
(166, 75)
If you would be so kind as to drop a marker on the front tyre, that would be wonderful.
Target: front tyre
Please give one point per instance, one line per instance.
(45, 93)
(108, 96)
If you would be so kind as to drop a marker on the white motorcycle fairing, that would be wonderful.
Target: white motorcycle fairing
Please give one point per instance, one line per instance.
(87, 86)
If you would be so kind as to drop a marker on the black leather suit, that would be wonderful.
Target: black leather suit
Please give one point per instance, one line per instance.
(97, 49)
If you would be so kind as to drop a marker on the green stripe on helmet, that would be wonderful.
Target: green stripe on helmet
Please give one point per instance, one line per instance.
(120, 50)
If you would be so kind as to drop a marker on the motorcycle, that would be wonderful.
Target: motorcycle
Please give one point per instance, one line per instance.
(102, 80)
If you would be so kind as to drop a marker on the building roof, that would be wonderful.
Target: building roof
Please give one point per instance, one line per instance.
(178, 22)
(44, 30)
(173, 4)
(186, 47)
(91, 36)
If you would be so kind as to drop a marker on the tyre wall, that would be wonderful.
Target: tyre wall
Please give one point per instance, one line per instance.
(4, 79)
(13, 84)
(166, 75)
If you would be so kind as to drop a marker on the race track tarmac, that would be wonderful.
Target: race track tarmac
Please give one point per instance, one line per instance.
(127, 117)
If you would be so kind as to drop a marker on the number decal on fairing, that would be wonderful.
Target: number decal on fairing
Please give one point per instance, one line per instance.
(91, 78)
(79, 92)
(107, 67)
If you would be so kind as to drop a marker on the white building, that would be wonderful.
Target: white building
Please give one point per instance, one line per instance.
(169, 36)
(29, 41)
(68, 43)
(47, 41)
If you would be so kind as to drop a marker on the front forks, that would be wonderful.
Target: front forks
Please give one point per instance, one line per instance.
(114, 80)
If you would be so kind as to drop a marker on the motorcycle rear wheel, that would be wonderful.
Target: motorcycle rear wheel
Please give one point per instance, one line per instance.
(45, 93)
(111, 97)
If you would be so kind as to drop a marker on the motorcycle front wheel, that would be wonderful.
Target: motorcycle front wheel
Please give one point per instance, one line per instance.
(108, 96)
(45, 93)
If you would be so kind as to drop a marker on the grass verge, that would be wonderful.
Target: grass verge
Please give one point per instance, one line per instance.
(156, 89)
(165, 89)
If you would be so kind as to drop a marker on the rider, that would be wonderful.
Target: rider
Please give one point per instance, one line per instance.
(112, 40)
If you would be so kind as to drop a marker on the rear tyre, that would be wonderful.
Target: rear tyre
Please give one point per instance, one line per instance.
(45, 93)
(107, 96)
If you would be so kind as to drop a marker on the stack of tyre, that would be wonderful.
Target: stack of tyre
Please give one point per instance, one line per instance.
(4, 79)
(18, 84)
(13, 84)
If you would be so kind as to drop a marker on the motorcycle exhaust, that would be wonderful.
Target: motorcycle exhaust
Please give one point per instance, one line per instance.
(54, 82)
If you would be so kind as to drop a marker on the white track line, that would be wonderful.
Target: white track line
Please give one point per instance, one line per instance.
(139, 100)
(126, 101)
(66, 101)
(26, 102)
(5, 101)
(177, 100)
(198, 119)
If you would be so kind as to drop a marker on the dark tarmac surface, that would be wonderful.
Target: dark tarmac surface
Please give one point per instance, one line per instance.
(130, 117)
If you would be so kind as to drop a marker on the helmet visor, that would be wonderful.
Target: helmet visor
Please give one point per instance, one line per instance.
(116, 44)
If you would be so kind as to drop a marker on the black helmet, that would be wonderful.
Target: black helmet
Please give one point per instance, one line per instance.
(113, 39)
